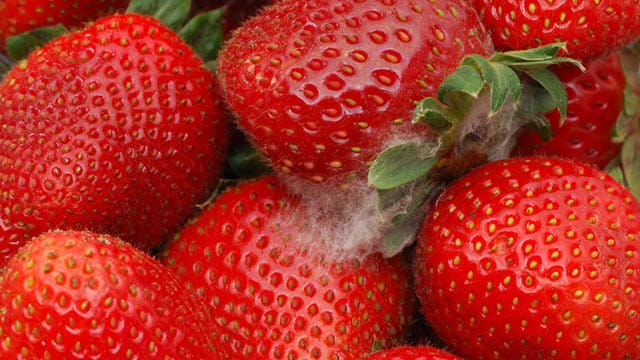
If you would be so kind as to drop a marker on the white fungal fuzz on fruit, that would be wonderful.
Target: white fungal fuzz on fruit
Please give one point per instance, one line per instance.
(490, 134)
(343, 221)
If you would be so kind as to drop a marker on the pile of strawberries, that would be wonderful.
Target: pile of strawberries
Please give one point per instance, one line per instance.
(320, 179)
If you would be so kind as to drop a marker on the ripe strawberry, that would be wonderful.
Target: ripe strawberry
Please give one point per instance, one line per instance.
(590, 28)
(595, 100)
(532, 258)
(17, 16)
(273, 297)
(423, 352)
(117, 128)
(321, 87)
(82, 295)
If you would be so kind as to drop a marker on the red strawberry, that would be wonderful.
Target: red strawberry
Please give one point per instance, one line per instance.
(17, 16)
(423, 352)
(273, 297)
(590, 28)
(86, 296)
(595, 102)
(117, 129)
(321, 87)
(532, 258)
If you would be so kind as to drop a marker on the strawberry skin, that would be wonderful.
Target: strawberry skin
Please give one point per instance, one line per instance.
(117, 129)
(80, 295)
(422, 352)
(532, 258)
(322, 87)
(589, 28)
(17, 16)
(274, 298)
(596, 98)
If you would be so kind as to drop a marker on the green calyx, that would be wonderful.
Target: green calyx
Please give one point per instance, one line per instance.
(21, 45)
(202, 31)
(474, 118)
(626, 168)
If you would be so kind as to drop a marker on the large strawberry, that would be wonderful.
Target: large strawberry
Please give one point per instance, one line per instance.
(321, 87)
(275, 292)
(116, 128)
(532, 258)
(80, 295)
(595, 100)
(590, 28)
(17, 16)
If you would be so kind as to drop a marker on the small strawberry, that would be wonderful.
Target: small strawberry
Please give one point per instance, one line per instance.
(80, 295)
(17, 16)
(117, 128)
(274, 292)
(322, 87)
(590, 28)
(532, 258)
(423, 352)
(595, 100)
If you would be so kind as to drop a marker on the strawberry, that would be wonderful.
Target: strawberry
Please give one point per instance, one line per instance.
(321, 87)
(423, 352)
(80, 295)
(117, 128)
(532, 258)
(590, 28)
(274, 293)
(595, 100)
(17, 16)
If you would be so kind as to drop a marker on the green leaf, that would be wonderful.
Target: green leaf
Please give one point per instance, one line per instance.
(534, 58)
(399, 237)
(20, 46)
(507, 82)
(617, 173)
(211, 65)
(204, 34)
(407, 218)
(172, 13)
(247, 162)
(540, 125)
(554, 86)
(455, 89)
(401, 164)
(431, 112)
(501, 79)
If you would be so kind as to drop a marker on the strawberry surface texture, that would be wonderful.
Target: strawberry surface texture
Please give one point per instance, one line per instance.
(275, 294)
(80, 295)
(320, 179)
(322, 87)
(590, 28)
(117, 128)
(17, 16)
(532, 258)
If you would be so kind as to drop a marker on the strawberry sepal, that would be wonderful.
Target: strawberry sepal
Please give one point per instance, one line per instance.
(172, 13)
(21, 45)
(475, 116)
(204, 34)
